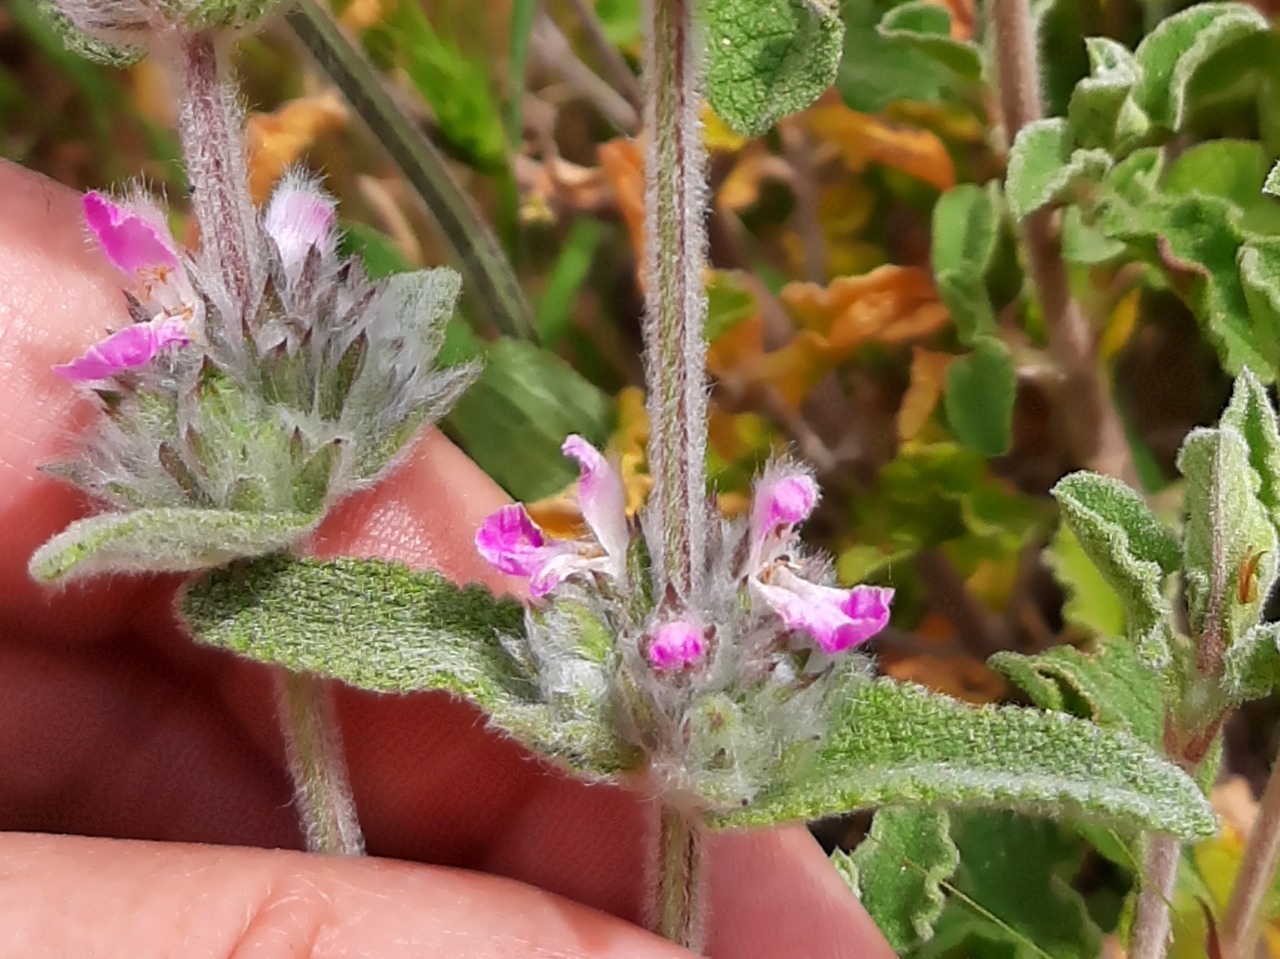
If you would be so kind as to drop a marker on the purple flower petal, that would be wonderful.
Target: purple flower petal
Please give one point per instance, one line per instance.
(783, 498)
(511, 542)
(125, 349)
(603, 499)
(675, 646)
(837, 619)
(133, 243)
(300, 216)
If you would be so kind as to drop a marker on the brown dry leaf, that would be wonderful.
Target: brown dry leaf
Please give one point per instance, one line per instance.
(737, 348)
(928, 378)
(890, 304)
(860, 138)
(548, 188)
(278, 140)
(754, 165)
(623, 163)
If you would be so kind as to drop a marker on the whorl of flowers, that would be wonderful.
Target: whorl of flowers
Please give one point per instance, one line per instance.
(120, 31)
(716, 699)
(283, 403)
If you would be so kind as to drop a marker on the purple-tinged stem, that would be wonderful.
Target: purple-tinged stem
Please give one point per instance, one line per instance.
(211, 131)
(677, 912)
(676, 307)
(1257, 868)
(1094, 429)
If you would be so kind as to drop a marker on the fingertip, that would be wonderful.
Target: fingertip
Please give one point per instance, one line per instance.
(776, 886)
(62, 895)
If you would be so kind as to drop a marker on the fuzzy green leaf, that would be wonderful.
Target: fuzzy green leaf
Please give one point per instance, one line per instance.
(1194, 239)
(1104, 683)
(1091, 606)
(1171, 54)
(926, 27)
(1102, 113)
(966, 238)
(1251, 414)
(1131, 548)
(1228, 533)
(981, 388)
(899, 870)
(893, 743)
(164, 541)
(875, 72)
(765, 61)
(1251, 667)
(1259, 265)
(1017, 899)
(383, 627)
(1271, 186)
(513, 420)
(1045, 169)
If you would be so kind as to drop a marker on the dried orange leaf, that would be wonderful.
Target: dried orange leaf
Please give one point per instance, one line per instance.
(860, 139)
(890, 304)
(278, 140)
(623, 163)
(928, 378)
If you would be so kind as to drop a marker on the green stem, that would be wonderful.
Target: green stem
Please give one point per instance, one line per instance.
(488, 273)
(1257, 868)
(675, 346)
(313, 747)
(677, 912)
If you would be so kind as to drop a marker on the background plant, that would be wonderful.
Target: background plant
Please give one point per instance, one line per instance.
(882, 372)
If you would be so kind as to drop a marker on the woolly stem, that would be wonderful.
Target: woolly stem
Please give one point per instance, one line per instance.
(1094, 431)
(211, 131)
(313, 747)
(1151, 922)
(674, 251)
(1240, 927)
(677, 912)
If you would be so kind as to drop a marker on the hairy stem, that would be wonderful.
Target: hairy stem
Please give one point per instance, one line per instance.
(675, 249)
(1151, 922)
(1094, 430)
(313, 747)
(677, 913)
(1253, 881)
(211, 131)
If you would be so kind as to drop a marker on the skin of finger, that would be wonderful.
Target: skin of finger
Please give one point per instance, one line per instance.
(57, 295)
(204, 902)
(423, 766)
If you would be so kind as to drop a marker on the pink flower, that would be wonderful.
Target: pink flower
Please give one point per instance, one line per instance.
(133, 346)
(298, 218)
(511, 541)
(836, 619)
(675, 646)
(136, 241)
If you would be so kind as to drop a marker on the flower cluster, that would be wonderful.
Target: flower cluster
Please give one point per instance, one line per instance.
(283, 403)
(716, 694)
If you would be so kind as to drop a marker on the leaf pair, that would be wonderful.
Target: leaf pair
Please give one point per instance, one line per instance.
(382, 627)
